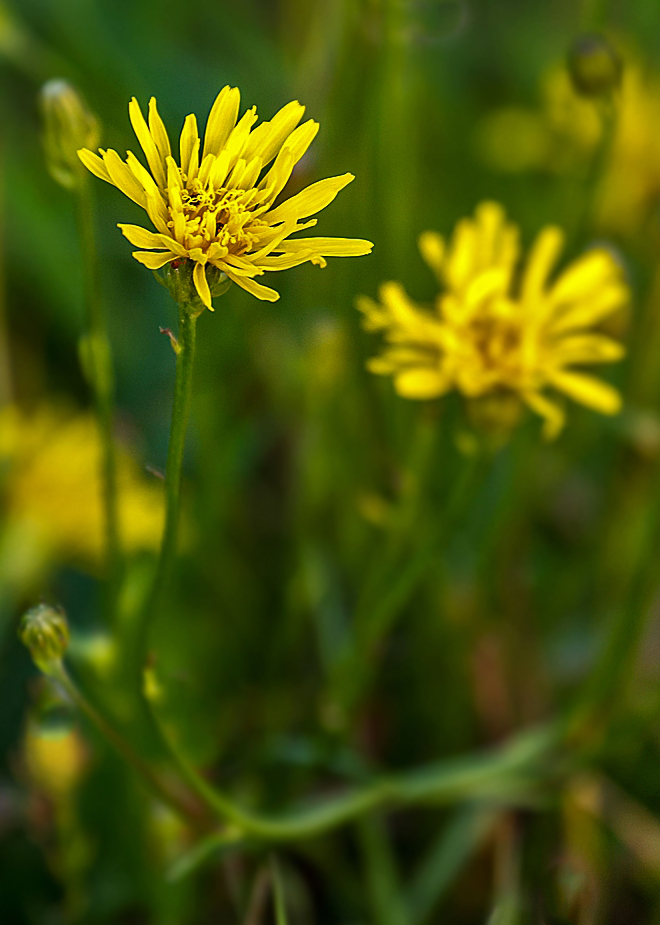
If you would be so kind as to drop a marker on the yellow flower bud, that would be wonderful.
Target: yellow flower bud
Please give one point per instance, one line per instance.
(45, 632)
(68, 126)
(595, 66)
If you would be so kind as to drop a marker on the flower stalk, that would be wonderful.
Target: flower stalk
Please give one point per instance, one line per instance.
(185, 360)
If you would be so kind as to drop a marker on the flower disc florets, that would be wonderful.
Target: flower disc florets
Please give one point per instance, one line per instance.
(45, 632)
(216, 206)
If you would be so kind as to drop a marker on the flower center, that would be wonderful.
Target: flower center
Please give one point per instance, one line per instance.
(218, 221)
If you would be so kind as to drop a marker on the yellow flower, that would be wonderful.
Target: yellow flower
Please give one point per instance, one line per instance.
(53, 489)
(55, 759)
(217, 207)
(489, 337)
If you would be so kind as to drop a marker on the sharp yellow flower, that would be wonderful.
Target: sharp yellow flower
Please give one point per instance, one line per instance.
(216, 207)
(487, 336)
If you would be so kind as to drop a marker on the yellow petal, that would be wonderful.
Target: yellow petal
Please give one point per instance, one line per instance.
(189, 147)
(239, 136)
(202, 286)
(123, 178)
(153, 261)
(148, 145)
(420, 383)
(490, 218)
(552, 414)
(329, 247)
(540, 263)
(251, 286)
(267, 139)
(591, 271)
(310, 200)
(590, 311)
(462, 254)
(158, 131)
(95, 164)
(432, 249)
(587, 348)
(587, 390)
(141, 237)
(221, 121)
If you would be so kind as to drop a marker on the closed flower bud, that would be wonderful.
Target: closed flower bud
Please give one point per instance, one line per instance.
(45, 632)
(595, 66)
(68, 126)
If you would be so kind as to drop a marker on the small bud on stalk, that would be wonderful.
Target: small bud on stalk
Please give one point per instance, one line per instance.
(68, 126)
(45, 632)
(595, 66)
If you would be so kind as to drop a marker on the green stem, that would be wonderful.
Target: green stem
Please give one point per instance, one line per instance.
(603, 688)
(136, 761)
(354, 673)
(185, 361)
(508, 774)
(382, 876)
(5, 365)
(608, 113)
(98, 367)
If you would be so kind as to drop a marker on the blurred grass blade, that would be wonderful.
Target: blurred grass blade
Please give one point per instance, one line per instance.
(459, 839)
(382, 877)
(278, 894)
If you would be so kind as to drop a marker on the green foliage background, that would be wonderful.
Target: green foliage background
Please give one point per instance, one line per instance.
(277, 683)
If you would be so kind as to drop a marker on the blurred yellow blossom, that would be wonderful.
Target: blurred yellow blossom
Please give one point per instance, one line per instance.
(490, 338)
(217, 207)
(563, 134)
(55, 759)
(50, 459)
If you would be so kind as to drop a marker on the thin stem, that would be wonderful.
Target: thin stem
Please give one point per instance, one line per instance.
(137, 762)
(381, 873)
(608, 112)
(185, 361)
(502, 775)
(98, 367)
(603, 687)
(5, 364)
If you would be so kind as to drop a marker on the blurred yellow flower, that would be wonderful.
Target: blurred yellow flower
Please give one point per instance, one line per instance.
(488, 337)
(217, 207)
(55, 759)
(52, 485)
(562, 136)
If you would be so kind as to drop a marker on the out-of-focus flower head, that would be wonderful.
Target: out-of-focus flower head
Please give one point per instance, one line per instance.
(595, 65)
(68, 124)
(564, 133)
(216, 208)
(492, 339)
(52, 487)
(55, 758)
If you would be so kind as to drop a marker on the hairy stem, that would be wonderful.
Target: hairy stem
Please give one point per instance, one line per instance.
(185, 360)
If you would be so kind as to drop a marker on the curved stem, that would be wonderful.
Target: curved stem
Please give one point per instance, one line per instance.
(498, 775)
(98, 367)
(137, 762)
(603, 687)
(185, 359)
